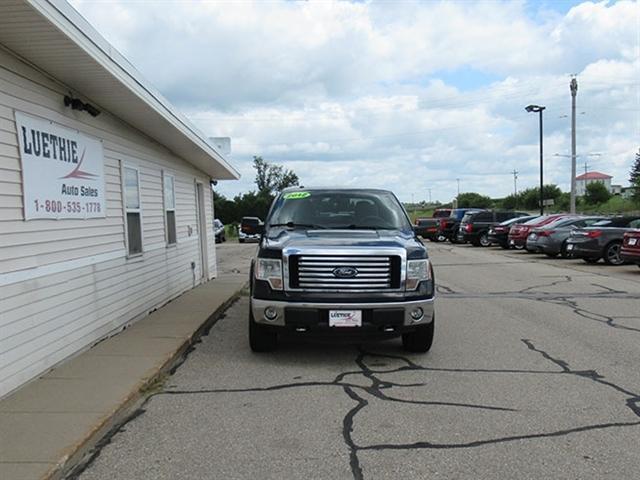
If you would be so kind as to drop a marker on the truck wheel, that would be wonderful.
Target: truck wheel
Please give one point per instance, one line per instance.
(421, 339)
(564, 253)
(441, 238)
(260, 339)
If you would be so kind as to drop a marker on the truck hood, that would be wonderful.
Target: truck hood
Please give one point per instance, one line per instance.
(279, 239)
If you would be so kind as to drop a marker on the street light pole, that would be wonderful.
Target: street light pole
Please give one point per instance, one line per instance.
(539, 109)
(574, 91)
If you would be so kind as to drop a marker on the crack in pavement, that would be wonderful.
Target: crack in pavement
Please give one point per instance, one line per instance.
(559, 298)
(378, 388)
(632, 403)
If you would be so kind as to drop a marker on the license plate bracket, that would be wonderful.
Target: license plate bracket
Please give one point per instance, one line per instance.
(345, 318)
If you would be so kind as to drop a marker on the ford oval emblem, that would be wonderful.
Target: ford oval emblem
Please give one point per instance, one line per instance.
(345, 272)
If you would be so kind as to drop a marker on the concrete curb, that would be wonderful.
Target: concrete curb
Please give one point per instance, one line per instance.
(80, 455)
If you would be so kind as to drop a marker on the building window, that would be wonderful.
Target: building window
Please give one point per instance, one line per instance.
(170, 208)
(132, 209)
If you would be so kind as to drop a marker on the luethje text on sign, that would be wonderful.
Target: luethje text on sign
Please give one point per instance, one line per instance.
(62, 170)
(48, 145)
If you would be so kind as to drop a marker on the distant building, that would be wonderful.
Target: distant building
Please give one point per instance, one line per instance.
(591, 177)
(627, 192)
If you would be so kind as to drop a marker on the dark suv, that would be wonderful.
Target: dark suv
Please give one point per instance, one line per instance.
(474, 227)
(343, 263)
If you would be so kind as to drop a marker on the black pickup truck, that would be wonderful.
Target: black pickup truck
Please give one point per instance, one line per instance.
(341, 263)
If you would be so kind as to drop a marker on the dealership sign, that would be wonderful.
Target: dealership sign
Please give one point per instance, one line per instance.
(62, 171)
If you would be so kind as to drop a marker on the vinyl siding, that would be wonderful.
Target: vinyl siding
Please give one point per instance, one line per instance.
(66, 284)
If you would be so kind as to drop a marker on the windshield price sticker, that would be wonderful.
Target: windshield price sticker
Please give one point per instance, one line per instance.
(296, 195)
(345, 318)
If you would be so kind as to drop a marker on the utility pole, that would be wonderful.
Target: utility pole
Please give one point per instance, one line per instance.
(586, 167)
(573, 86)
(515, 188)
(429, 195)
(458, 180)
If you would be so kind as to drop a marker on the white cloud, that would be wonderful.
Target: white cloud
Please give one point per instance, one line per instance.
(353, 93)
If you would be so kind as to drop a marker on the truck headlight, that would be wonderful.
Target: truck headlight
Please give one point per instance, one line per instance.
(417, 271)
(270, 269)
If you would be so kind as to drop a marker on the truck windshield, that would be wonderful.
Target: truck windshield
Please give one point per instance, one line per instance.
(343, 209)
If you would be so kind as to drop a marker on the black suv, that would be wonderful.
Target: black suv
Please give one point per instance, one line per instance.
(474, 227)
(340, 262)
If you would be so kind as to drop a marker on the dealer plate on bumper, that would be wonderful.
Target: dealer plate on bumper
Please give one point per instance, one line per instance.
(345, 318)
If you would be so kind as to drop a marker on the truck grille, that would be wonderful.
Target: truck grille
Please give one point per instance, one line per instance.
(344, 272)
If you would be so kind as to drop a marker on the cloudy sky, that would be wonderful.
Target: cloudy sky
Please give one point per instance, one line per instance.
(405, 95)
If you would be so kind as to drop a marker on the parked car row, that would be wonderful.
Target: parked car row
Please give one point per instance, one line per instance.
(612, 239)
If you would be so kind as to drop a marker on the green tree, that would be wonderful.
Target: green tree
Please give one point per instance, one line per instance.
(529, 199)
(272, 178)
(634, 177)
(596, 193)
(473, 200)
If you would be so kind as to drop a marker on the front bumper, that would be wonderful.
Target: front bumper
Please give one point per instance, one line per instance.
(387, 317)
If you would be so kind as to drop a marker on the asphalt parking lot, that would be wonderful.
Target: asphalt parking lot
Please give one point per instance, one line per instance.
(533, 374)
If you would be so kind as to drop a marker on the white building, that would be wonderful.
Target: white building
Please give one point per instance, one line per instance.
(592, 177)
(102, 218)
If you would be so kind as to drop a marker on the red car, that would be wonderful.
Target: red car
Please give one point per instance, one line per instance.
(630, 251)
(520, 231)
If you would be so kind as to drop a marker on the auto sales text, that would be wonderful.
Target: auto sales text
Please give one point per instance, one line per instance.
(82, 191)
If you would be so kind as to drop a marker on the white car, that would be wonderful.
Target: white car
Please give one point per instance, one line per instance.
(218, 231)
(248, 231)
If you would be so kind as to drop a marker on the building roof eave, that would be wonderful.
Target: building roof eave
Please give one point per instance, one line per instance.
(85, 62)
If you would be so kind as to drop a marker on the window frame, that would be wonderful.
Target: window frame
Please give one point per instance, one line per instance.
(123, 167)
(166, 209)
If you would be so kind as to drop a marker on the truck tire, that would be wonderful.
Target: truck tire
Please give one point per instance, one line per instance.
(421, 339)
(261, 339)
